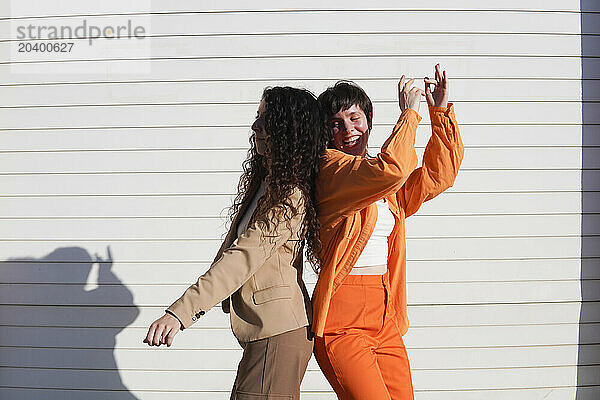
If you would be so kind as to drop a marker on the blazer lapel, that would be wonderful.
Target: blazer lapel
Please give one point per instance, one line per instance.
(232, 233)
(231, 236)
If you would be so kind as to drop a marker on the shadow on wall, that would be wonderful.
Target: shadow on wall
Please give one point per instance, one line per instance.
(588, 372)
(60, 333)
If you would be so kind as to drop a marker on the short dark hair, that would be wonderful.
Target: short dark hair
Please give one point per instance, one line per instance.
(342, 96)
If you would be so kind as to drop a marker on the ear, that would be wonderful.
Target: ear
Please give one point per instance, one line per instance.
(370, 121)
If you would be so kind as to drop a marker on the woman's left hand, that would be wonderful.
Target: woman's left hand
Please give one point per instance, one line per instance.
(438, 97)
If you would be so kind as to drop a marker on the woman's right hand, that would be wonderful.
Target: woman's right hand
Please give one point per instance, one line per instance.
(409, 97)
(162, 331)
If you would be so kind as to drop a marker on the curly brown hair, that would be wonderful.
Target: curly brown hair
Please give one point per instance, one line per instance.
(296, 141)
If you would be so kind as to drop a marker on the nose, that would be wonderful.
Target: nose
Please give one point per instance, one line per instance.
(348, 126)
(257, 125)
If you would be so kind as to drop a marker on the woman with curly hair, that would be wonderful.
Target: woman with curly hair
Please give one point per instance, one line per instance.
(257, 272)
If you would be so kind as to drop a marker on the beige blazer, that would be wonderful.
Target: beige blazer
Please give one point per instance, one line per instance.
(258, 276)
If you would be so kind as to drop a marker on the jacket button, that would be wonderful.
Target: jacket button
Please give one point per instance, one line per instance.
(194, 318)
(202, 312)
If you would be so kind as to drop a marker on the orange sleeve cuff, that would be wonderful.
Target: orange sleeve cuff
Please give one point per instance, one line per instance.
(447, 111)
(410, 113)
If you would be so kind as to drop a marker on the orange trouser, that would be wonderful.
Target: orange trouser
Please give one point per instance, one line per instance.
(362, 353)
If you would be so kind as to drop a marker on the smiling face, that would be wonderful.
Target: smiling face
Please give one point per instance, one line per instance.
(258, 127)
(350, 130)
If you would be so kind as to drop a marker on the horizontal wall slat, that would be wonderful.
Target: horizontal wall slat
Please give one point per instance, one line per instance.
(205, 360)
(419, 293)
(418, 249)
(372, 21)
(210, 6)
(189, 380)
(473, 336)
(231, 160)
(250, 91)
(484, 181)
(46, 270)
(166, 138)
(418, 226)
(419, 315)
(243, 114)
(317, 67)
(308, 45)
(215, 206)
(335, 22)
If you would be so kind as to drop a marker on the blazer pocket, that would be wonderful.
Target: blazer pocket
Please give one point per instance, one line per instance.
(257, 396)
(272, 293)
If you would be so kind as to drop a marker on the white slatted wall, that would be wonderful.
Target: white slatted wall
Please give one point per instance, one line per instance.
(145, 163)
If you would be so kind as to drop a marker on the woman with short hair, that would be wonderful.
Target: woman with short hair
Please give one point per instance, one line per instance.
(359, 303)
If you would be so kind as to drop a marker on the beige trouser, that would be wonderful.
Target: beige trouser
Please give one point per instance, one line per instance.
(272, 368)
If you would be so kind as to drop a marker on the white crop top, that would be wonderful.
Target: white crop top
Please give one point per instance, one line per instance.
(373, 259)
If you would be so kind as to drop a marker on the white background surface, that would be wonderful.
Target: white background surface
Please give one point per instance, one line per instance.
(145, 163)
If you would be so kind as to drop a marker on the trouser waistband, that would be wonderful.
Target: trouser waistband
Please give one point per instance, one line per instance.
(367, 280)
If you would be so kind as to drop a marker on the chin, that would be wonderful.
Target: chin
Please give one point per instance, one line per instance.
(357, 150)
(352, 152)
(362, 150)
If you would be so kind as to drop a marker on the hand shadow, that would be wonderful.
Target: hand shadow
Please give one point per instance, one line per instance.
(60, 335)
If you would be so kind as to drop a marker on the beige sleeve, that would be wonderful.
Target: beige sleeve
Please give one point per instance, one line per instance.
(237, 264)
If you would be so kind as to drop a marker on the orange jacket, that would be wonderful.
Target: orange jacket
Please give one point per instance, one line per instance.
(348, 187)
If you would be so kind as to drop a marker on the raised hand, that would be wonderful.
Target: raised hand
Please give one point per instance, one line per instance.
(105, 263)
(438, 97)
(409, 97)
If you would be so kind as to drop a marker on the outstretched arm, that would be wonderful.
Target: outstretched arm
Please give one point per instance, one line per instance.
(350, 183)
(229, 272)
(443, 154)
